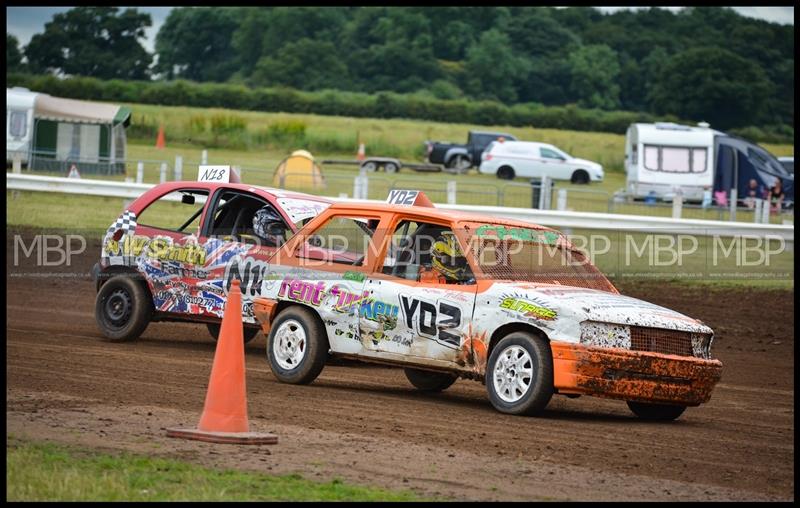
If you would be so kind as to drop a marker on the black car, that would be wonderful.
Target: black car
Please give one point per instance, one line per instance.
(460, 156)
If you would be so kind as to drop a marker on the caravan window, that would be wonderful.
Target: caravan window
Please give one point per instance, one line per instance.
(18, 124)
(674, 159)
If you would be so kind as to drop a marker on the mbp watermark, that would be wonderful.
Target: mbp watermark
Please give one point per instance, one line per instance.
(49, 250)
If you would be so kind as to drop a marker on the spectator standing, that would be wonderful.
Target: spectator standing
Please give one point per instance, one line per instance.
(776, 196)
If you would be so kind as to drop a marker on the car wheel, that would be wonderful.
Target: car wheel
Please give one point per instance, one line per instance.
(459, 162)
(519, 374)
(580, 176)
(370, 167)
(123, 308)
(297, 346)
(427, 381)
(248, 332)
(505, 173)
(391, 167)
(649, 411)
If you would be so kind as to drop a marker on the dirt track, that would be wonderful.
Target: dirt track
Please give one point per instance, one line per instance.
(367, 424)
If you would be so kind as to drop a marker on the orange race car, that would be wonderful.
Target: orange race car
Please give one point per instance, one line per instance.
(449, 295)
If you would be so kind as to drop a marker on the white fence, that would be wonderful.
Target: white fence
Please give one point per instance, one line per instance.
(555, 218)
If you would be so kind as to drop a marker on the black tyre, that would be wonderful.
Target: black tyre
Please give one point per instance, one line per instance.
(648, 411)
(505, 173)
(391, 167)
(248, 332)
(580, 176)
(427, 381)
(459, 162)
(370, 167)
(519, 374)
(123, 308)
(297, 346)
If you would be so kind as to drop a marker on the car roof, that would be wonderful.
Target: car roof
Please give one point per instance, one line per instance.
(492, 133)
(433, 213)
(213, 186)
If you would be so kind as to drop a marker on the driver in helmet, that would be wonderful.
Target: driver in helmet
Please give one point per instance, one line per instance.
(448, 264)
(268, 226)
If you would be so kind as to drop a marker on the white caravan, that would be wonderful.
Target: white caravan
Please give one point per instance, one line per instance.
(663, 158)
(19, 123)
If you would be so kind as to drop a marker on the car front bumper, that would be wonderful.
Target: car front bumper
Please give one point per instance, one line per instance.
(633, 375)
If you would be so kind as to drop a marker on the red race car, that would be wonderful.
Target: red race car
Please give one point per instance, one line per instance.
(172, 253)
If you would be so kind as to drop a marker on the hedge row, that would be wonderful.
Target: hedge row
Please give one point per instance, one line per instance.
(333, 102)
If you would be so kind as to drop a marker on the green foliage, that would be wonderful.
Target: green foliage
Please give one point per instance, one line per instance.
(13, 54)
(550, 56)
(195, 43)
(92, 41)
(594, 71)
(714, 85)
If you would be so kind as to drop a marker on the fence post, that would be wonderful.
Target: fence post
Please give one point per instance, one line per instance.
(163, 176)
(17, 164)
(451, 192)
(732, 218)
(677, 206)
(544, 196)
(757, 211)
(561, 202)
(765, 212)
(357, 187)
(178, 168)
(139, 172)
(204, 157)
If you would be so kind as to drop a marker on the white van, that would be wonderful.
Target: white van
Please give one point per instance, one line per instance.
(509, 159)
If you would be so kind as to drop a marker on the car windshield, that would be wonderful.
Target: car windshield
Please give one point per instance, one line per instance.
(505, 252)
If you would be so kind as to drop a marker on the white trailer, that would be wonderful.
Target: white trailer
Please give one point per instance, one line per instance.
(663, 159)
(19, 123)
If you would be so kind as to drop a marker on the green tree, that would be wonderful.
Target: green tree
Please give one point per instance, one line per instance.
(594, 71)
(714, 85)
(493, 69)
(534, 32)
(305, 64)
(195, 43)
(13, 54)
(102, 42)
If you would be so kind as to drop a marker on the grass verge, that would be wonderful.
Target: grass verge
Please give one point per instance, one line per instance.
(39, 471)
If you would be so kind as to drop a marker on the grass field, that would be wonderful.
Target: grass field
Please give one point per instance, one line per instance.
(404, 137)
(47, 472)
(262, 140)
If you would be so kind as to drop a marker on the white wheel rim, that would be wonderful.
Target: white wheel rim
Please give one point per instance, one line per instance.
(290, 344)
(512, 375)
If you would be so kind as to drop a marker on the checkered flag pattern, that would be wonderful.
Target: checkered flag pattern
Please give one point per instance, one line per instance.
(126, 222)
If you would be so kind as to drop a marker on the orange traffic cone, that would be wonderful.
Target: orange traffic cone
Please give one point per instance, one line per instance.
(361, 153)
(224, 418)
(160, 141)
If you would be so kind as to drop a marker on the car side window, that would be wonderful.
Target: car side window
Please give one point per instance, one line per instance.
(550, 154)
(425, 252)
(177, 211)
(242, 217)
(341, 240)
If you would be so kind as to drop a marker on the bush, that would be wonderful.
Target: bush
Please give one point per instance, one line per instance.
(443, 103)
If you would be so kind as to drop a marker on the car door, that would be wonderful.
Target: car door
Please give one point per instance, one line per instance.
(408, 317)
(324, 270)
(553, 164)
(167, 250)
(234, 250)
